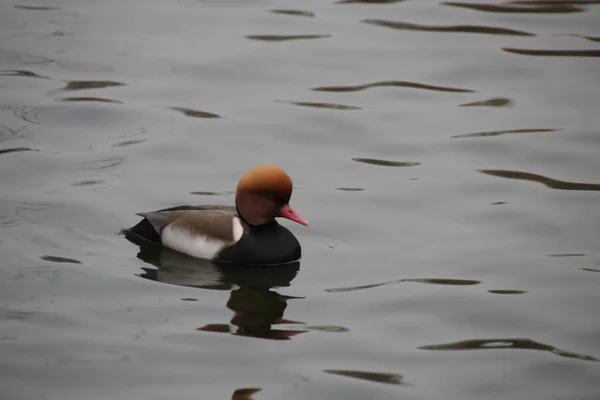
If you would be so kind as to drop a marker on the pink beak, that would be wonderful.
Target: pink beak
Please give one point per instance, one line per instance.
(288, 212)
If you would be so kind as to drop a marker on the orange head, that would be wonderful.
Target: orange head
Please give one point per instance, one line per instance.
(263, 193)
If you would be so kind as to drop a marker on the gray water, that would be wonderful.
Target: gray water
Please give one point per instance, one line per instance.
(446, 157)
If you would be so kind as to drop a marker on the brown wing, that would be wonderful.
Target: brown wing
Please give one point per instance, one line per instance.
(216, 223)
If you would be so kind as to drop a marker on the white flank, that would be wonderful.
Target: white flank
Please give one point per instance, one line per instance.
(197, 246)
(238, 229)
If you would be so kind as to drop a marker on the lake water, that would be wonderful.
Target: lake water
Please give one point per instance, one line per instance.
(446, 155)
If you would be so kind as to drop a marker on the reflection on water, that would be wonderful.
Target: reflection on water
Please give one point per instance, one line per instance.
(204, 193)
(368, 1)
(21, 72)
(506, 291)
(490, 344)
(433, 281)
(58, 259)
(449, 28)
(541, 7)
(188, 112)
(129, 142)
(90, 99)
(590, 269)
(16, 150)
(36, 8)
(300, 13)
(493, 102)
(90, 182)
(553, 53)
(258, 310)
(551, 183)
(379, 377)
(413, 85)
(104, 163)
(386, 163)
(556, 2)
(282, 38)
(507, 132)
(330, 106)
(82, 85)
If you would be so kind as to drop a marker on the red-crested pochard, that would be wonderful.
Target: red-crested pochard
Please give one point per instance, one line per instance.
(246, 233)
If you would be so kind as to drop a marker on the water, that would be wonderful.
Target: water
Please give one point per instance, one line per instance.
(445, 154)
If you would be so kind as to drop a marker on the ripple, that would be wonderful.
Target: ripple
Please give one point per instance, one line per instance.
(58, 259)
(379, 377)
(368, 1)
(223, 193)
(555, 2)
(362, 287)
(434, 281)
(84, 67)
(551, 183)
(244, 393)
(30, 113)
(328, 328)
(534, 8)
(445, 281)
(414, 85)
(590, 269)
(555, 53)
(82, 85)
(90, 99)
(104, 163)
(498, 133)
(300, 13)
(17, 57)
(386, 163)
(16, 149)
(350, 189)
(129, 142)
(88, 183)
(7, 133)
(37, 8)
(488, 344)
(493, 102)
(331, 106)
(189, 112)
(281, 38)
(72, 113)
(506, 291)
(21, 72)
(490, 30)
(566, 255)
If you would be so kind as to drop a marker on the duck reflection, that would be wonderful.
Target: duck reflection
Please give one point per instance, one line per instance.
(258, 309)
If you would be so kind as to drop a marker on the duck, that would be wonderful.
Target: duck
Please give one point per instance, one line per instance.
(246, 233)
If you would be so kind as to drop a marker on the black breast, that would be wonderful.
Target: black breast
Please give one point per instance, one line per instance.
(267, 244)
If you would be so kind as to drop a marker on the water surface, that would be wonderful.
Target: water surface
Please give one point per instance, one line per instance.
(445, 153)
